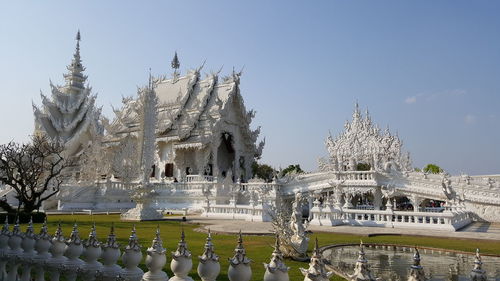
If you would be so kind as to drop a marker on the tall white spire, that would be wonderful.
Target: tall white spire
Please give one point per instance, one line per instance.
(75, 78)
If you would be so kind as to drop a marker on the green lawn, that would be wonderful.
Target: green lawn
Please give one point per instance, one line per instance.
(258, 247)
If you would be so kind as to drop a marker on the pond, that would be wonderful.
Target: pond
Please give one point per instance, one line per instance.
(393, 263)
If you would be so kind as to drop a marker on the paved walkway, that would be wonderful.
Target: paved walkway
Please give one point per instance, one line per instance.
(476, 230)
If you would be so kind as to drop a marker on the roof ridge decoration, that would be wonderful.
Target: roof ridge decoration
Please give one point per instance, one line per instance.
(363, 142)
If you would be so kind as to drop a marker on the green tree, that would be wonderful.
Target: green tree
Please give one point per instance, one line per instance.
(263, 171)
(433, 169)
(291, 168)
(363, 167)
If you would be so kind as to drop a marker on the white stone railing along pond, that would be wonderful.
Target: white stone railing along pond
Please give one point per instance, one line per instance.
(26, 256)
(330, 215)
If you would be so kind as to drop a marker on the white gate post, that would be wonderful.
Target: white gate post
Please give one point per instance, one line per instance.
(131, 258)
(42, 246)
(58, 259)
(92, 252)
(110, 256)
(15, 251)
(156, 260)
(28, 256)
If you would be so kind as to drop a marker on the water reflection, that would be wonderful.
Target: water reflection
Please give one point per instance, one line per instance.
(393, 263)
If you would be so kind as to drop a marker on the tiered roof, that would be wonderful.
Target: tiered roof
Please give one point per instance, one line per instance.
(190, 109)
(71, 109)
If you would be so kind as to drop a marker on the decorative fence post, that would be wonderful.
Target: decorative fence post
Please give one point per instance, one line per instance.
(74, 249)
(317, 270)
(239, 264)
(477, 273)
(110, 256)
(131, 258)
(416, 270)
(57, 250)
(209, 267)
(181, 262)
(361, 269)
(276, 270)
(42, 247)
(4, 248)
(15, 240)
(156, 260)
(28, 245)
(91, 253)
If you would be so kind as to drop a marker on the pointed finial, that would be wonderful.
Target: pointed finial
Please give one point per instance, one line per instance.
(175, 62)
(30, 233)
(182, 249)
(477, 273)
(78, 37)
(111, 241)
(239, 253)
(74, 237)
(416, 259)
(133, 241)
(157, 245)
(240, 238)
(15, 230)
(44, 232)
(5, 227)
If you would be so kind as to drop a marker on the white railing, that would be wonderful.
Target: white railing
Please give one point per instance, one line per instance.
(25, 256)
(356, 175)
(447, 220)
(198, 178)
(251, 212)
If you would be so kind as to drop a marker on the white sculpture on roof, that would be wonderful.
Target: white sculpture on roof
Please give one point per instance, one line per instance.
(362, 142)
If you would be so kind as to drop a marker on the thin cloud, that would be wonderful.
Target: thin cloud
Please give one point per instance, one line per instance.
(470, 119)
(410, 100)
(453, 93)
(430, 96)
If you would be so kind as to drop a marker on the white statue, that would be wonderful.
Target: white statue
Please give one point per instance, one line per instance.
(299, 239)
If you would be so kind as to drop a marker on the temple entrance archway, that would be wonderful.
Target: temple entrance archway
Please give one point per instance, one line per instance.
(225, 154)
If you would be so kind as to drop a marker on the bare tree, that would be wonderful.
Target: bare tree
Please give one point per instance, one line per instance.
(34, 170)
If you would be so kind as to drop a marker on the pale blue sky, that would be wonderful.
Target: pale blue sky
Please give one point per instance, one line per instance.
(428, 69)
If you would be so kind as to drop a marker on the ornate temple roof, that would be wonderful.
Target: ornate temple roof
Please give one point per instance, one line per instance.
(364, 142)
(70, 111)
(190, 108)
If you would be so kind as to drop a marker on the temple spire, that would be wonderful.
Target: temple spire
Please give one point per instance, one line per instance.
(175, 65)
(75, 78)
(175, 62)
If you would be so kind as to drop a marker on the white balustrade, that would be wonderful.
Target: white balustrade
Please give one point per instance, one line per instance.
(30, 252)
(258, 212)
(447, 220)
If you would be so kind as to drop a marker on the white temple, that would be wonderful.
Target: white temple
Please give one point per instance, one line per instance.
(204, 148)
